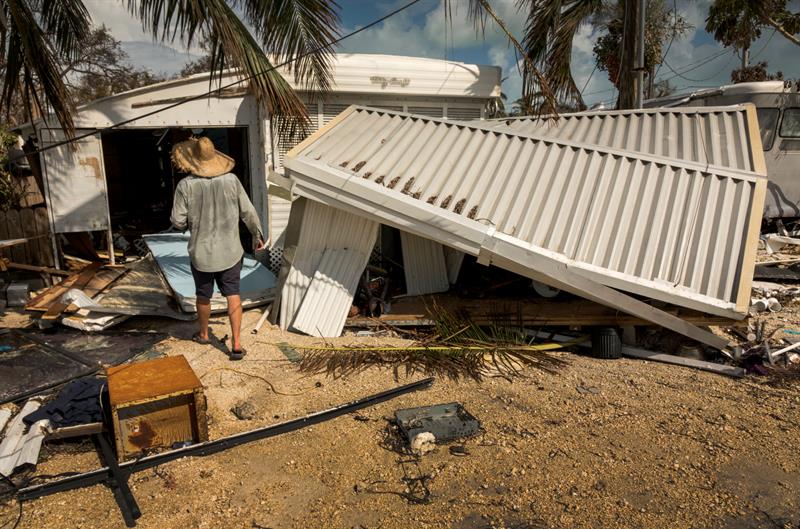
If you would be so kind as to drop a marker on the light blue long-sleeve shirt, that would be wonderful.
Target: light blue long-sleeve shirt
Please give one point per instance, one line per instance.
(210, 208)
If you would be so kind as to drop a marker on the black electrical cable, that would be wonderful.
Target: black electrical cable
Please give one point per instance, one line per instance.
(672, 38)
(218, 89)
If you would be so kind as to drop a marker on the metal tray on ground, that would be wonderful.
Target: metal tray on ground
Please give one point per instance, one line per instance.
(446, 422)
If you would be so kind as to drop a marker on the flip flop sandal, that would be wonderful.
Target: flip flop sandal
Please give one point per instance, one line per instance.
(237, 355)
(196, 338)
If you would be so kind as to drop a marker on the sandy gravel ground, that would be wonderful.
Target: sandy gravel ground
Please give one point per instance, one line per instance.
(620, 443)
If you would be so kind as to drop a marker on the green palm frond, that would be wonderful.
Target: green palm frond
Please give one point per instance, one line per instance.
(293, 28)
(297, 27)
(479, 10)
(35, 35)
(550, 29)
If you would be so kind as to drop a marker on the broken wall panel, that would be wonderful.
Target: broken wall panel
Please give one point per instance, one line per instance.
(320, 228)
(331, 289)
(720, 136)
(424, 265)
(677, 231)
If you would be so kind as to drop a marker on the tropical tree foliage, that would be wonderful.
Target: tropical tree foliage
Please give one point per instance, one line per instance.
(37, 36)
(661, 25)
(737, 23)
(102, 68)
(755, 72)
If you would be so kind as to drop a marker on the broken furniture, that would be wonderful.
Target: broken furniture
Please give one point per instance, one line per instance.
(156, 404)
(586, 219)
(117, 475)
(171, 252)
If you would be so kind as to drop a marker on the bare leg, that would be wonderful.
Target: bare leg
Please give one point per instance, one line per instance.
(235, 315)
(203, 314)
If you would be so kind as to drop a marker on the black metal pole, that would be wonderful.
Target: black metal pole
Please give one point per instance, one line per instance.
(125, 499)
(211, 447)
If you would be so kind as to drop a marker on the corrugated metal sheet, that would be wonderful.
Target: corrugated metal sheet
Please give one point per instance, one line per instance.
(454, 259)
(714, 135)
(322, 228)
(424, 265)
(672, 230)
(331, 290)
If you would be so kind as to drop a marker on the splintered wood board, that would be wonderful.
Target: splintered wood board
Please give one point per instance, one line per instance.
(102, 279)
(86, 275)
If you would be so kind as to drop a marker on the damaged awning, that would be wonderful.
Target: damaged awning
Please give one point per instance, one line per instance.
(572, 215)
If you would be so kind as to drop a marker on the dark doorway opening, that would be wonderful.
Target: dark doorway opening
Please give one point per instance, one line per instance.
(141, 179)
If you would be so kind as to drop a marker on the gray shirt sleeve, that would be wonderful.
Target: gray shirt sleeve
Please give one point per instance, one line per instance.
(247, 212)
(180, 208)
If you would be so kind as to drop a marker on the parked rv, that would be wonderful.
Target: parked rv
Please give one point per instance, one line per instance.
(778, 108)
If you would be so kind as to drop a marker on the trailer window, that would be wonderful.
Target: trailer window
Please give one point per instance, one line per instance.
(790, 126)
(767, 119)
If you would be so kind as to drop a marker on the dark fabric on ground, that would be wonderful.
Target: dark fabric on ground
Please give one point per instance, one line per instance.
(77, 403)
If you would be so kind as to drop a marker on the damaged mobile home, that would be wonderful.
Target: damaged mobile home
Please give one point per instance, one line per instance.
(663, 204)
(122, 181)
(580, 217)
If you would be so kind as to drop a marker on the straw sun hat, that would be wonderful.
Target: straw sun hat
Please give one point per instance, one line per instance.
(199, 157)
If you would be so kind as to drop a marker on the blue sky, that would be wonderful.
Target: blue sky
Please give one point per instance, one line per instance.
(694, 61)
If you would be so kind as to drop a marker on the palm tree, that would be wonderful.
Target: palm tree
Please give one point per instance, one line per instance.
(35, 35)
(550, 29)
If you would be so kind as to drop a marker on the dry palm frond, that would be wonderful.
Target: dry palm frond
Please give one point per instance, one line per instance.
(459, 348)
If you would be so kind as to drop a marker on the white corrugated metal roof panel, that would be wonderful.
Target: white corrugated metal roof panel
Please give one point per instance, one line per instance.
(715, 135)
(672, 230)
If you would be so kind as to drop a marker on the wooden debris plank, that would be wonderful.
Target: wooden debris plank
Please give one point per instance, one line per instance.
(86, 275)
(417, 310)
(102, 280)
(34, 268)
(43, 230)
(79, 430)
(7, 243)
(42, 301)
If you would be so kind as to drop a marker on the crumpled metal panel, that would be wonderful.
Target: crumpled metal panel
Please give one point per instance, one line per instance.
(714, 135)
(324, 228)
(664, 228)
(424, 264)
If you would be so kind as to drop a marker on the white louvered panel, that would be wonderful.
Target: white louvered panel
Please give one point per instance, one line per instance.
(433, 112)
(463, 113)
